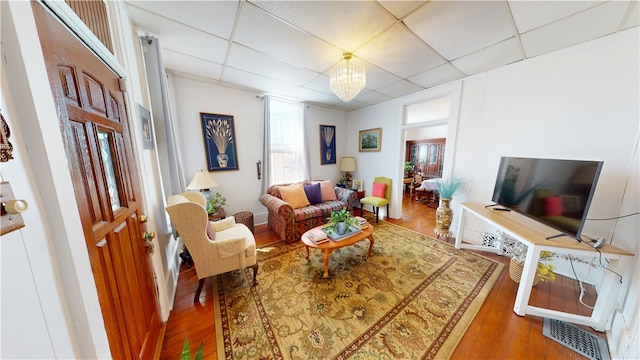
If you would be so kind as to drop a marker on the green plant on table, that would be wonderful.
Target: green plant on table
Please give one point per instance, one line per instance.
(215, 202)
(342, 216)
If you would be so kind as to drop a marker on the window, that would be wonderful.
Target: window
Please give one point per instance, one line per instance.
(287, 142)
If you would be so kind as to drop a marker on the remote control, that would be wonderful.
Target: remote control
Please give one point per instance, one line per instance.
(501, 209)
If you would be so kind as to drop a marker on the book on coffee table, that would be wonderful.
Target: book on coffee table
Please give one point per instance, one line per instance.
(318, 236)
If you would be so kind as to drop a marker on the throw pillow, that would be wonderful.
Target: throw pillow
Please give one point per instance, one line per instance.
(328, 193)
(314, 194)
(553, 205)
(294, 195)
(379, 189)
(224, 224)
(211, 232)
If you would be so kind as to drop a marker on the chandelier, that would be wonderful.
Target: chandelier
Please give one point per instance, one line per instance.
(347, 78)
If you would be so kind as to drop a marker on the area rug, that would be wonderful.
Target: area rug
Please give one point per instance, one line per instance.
(414, 298)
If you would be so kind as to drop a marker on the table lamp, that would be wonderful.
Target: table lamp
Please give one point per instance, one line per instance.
(348, 164)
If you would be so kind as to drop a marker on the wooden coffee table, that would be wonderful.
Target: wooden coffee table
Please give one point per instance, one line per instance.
(328, 247)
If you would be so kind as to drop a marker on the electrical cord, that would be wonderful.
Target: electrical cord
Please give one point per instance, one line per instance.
(582, 291)
(617, 217)
(604, 267)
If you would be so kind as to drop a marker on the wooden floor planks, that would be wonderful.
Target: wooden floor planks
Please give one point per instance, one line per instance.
(495, 333)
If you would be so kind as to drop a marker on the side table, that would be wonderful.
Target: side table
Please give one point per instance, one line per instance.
(359, 195)
(221, 214)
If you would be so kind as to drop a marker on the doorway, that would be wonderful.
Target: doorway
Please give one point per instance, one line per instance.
(431, 120)
(92, 116)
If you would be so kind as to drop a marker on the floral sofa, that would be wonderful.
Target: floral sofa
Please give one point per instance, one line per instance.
(291, 219)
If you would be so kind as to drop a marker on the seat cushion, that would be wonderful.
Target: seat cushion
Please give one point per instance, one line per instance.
(374, 201)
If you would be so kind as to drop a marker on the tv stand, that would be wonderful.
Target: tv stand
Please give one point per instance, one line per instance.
(534, 235)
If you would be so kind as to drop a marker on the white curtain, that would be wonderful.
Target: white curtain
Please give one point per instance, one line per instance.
(286, 156)
(266, 144)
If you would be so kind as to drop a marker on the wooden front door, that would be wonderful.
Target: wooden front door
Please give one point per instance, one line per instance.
(93, 120)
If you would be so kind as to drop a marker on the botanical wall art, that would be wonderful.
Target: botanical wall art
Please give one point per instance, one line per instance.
(370, 140)
(219, 141)
(327, 144)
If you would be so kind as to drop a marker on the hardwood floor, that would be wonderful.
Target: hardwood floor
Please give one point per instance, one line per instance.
(495, 333)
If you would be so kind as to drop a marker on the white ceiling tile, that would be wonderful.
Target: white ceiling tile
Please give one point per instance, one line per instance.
(320, 83)
(400, 9)
(373, 97)
(400, 52)
(316, 96)
(250, 60)
(197, 14)
(188, 64)
(377, 78)
(181, 38)
(458, 28)
(344, 24)
(529, 15)
(267, 34)
(401, 88)
(436, 76)
(590, 24)
(257, 82)
(634, 15)
(492, 57)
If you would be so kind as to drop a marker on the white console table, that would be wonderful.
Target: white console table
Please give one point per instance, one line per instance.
(534, 234)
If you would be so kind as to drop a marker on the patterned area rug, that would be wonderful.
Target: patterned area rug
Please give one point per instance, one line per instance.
(414, 298)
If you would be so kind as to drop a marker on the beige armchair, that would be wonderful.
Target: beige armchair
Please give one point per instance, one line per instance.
(215, 247)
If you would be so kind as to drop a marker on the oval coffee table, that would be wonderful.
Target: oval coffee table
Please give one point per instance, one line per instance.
(328, 247)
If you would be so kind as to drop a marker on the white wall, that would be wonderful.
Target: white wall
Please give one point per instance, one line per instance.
(578, 103)
(242, 187)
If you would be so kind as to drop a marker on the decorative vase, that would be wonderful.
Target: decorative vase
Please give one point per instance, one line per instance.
(342, 228)
(444, 216)
(515, 272)
(222, 159)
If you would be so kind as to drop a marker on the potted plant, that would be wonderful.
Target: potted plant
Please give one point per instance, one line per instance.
(341, 220)
(341, 183)
(444, 215)
(408, 166)
(215, 202)
(186, 352)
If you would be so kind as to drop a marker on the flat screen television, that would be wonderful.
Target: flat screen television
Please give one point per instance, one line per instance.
(552, 191)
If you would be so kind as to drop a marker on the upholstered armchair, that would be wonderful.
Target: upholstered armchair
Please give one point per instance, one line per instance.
(215, 247)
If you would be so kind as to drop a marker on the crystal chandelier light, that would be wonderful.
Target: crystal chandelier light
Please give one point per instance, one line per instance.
(347, 78)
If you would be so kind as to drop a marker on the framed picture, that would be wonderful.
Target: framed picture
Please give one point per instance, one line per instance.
(219, 141)
(147, 129)
(370, 140)
(327, 144)
(358, 185)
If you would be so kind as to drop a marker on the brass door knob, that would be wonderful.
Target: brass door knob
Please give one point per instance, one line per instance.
(148, 236)
(143, 218)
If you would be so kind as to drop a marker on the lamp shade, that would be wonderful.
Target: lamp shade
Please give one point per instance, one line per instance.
(201, 181)
(348, 163)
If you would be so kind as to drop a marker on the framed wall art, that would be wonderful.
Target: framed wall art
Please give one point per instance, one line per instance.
(327, 144)
(370, 140)
(358, 185)
(219, 141)
(147, 129)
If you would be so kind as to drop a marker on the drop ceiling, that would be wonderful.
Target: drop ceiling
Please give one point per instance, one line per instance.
(287, 48)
